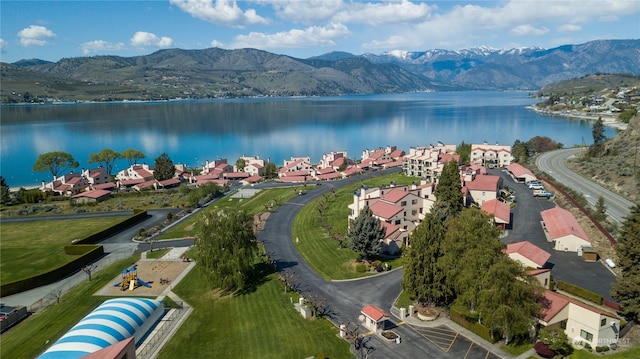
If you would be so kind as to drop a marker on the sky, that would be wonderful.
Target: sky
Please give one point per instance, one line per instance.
(53, 29)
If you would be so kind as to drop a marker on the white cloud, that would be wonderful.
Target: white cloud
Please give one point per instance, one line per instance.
(295, 38)
(35, 35)
(222, 12)
(100, 45)
(528, 30)
(216, 43)
(569, 28)
(306, 12)
(381, 13)
(143, 38)
(3, 44)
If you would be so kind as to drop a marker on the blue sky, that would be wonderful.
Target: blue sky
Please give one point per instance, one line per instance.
(53, 29)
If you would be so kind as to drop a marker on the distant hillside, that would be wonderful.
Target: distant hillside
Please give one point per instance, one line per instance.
(214, 72)
(178, 73)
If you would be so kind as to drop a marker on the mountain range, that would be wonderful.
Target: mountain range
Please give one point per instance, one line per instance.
(214, 72)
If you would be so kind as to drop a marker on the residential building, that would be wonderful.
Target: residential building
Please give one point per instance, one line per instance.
(253, 165)
(500, 211)
(519, 173)
(142, 172)
(527, 253)
(299, 168)
(381, 156)
(427, 162)
(562, 229)
(217, 167)
(491, 155)
(66, 185)
(96, 176)
(581, 322)
(481, 189)
(335, 160)
(93, 196)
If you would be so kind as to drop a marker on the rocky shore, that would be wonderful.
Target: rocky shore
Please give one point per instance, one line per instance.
(608, 119)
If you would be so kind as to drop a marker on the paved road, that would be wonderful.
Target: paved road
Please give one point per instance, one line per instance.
(553, 164)
(347, 298)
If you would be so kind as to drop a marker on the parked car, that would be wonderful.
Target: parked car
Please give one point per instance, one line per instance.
(542, 193)
(536, 186)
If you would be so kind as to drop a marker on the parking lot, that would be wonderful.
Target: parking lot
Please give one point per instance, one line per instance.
(452, 342)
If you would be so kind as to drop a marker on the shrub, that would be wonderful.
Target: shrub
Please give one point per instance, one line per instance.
(543, 350)
(580, 292)
(601, 349)
(361, 267)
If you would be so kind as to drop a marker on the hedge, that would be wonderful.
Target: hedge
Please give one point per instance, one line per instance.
(477, 328)
(138, 215)
(580, 292)
(79, 249)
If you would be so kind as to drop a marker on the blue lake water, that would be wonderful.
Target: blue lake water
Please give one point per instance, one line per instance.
(191, 132)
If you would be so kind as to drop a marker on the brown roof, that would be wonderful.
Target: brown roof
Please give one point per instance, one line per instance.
(483, 183)
(395, 195)
(498, 209)
(385, 210)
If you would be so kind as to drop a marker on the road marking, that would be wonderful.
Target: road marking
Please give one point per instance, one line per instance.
(468, 350)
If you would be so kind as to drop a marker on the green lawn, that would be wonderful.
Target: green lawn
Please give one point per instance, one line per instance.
(632, 353)
(29, 339)
(261, 324)
(157, 253)
(323, 253)
(253, 205)
(35, 247)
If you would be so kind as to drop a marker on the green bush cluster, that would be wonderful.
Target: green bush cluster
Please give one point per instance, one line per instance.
(456, 314)
(580, 292)
(602, 349)
(361, 267)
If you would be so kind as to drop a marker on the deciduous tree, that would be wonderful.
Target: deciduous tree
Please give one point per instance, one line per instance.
(226, 249)
(241, 164)
(270, 170)
(556, 339)
(520, 151)
(106, 158)
(54, 162)
(365, 234)
(464, 150)
(132, 156)
(164, 168)
(5, 193)
(626, 288)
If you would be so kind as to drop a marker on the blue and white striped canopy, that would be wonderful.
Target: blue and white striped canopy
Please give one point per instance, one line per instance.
(113, 321)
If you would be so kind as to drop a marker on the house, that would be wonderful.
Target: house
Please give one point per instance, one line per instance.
(335, 160)
(519, 173)
(142, 172)
(500, 211)
(581, 322)
(527, 253)
(562, 229)
(298, 167)
(252, 165)
(380, 156)
(482, 188)
(94, 196)
(543, 275)
(491, 155)
(66, 185)
(374, 318)
(251, 180)
(96, 175)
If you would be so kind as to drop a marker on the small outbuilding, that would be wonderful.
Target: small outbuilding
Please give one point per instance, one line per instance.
(374, 318)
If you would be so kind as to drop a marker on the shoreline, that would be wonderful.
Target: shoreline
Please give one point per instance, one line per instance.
(608, 120)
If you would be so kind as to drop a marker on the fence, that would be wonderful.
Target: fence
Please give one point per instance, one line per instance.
(57, 290)
(163, 331)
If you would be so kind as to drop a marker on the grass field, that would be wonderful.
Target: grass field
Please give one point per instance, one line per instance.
(35, 247)
(317, 248)
(253, 205)
(261, 324)
(632, 353)
(31, 337)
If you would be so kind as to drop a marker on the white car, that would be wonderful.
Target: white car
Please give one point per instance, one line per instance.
(536, 186)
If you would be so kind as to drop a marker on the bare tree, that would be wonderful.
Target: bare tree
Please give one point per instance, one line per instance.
(150, 242)
(56, 294)
(356, 339)
(318, 304)
(290, 280)
(338, 237)
(89, 269)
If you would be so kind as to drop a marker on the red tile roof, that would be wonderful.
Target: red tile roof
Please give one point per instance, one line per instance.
(560, 222)
(483, 183)
(328, 176)
(518, 170)
(498, 209)
(253, 179)
(385, 210)
(170, 182)
(326, 170)
(95, 194)
(530, 251)
(292, 178)
(112, 351)
(396, 154)
(236, 175)
(556, 302)
(374, 312)
(535, 272)
(108, 185)
(395, 195)
(390, 229)
(352, 170)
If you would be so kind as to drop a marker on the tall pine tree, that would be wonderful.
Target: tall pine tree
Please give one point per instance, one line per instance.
(626, 288)
(449, 188)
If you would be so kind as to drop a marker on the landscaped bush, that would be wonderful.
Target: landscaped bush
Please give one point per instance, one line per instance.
(457, 316)
(361, 267)
(602, 349)
(580, 292)
(543, 350)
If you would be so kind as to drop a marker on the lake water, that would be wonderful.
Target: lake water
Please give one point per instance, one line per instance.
(192, 132)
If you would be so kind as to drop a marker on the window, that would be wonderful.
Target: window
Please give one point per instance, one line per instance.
(397, 221)
(586, 335)
(563, 324)
(603, 322)
(403, 203)
(414, 212)
(414, 201)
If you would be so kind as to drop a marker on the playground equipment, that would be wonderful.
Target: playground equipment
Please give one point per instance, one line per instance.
(130, 279)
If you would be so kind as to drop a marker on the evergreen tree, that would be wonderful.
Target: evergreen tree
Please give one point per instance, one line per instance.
(424, 278)
(597, 131)
(464, 150)
(556, 339)
(626, 288)
(132, 156)
(449, 189)
(226, 249)
(106, 158)
(601, 209)
(471, 247)
(366, 234)
(5, 193)
(164, 168)
(241, 164)
(54, 162)
(509, 299)
(520, 151)
(270, 170)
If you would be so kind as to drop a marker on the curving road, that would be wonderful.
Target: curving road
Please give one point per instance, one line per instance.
(553, 163)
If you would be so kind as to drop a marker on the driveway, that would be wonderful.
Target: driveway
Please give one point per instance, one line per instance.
(566, 266)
